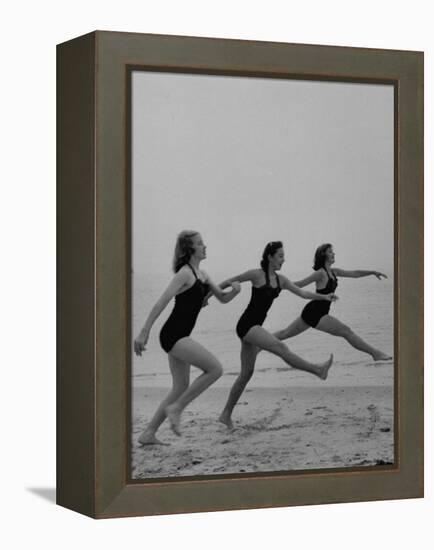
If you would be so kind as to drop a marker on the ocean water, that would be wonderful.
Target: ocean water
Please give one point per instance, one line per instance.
(365, 304)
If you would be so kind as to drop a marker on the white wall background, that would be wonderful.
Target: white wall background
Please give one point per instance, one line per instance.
(30, 31)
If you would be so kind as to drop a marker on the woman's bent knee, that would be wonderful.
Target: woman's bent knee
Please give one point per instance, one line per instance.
(216, 371)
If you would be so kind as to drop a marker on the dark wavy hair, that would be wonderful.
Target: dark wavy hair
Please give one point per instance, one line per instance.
(320, 256)
(184, 249)
(270, 250)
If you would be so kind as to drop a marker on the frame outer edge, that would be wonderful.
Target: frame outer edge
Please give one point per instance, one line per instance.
(411, 275)
(75, 408)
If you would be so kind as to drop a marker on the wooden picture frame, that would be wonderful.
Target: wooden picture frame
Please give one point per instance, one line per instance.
(94, 261)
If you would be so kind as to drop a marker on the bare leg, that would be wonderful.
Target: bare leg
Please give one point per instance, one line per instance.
(189, 351)
(331, 325)
(248, 358)
(258, 336)
(296, 327)
(180, 379)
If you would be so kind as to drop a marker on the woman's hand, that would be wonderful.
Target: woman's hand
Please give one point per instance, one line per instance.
(140, 343)
(379, 275)
(332, 297)
(236, 287)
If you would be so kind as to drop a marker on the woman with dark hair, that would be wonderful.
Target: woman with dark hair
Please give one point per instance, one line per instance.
(316, 313)
(189, 287)
(266, 286)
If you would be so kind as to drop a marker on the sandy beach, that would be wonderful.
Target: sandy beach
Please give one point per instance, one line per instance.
(276, 429)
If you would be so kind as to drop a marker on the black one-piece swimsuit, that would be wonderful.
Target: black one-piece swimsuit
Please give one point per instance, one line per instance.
(260, 302)
(316, 309)
(182, 319)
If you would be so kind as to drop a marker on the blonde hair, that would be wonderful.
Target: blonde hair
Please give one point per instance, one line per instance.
(184, 249)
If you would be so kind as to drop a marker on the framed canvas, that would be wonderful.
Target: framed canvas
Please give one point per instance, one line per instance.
(270, 151)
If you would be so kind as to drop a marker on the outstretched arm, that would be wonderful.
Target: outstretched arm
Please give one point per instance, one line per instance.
(312, 278)
(288, 285)
(223, 297)
(241, 278)
(220, 294)
(357, 273)
(179, 280)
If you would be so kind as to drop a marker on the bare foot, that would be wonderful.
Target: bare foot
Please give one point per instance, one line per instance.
(174, 417)
(147, 438)
(226, 420)
(380, 356)
(325, 368)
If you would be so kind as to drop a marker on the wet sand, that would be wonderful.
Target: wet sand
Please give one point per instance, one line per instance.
(276, 429)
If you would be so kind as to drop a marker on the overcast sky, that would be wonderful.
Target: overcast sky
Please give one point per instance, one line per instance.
(247, 160)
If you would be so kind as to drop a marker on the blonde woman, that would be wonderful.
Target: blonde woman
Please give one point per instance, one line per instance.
(189, 286)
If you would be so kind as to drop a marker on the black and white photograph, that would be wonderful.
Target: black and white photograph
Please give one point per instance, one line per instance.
(262, 275)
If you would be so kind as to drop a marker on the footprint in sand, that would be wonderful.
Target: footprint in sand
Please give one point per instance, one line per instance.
(261, 425)
(374, 417)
